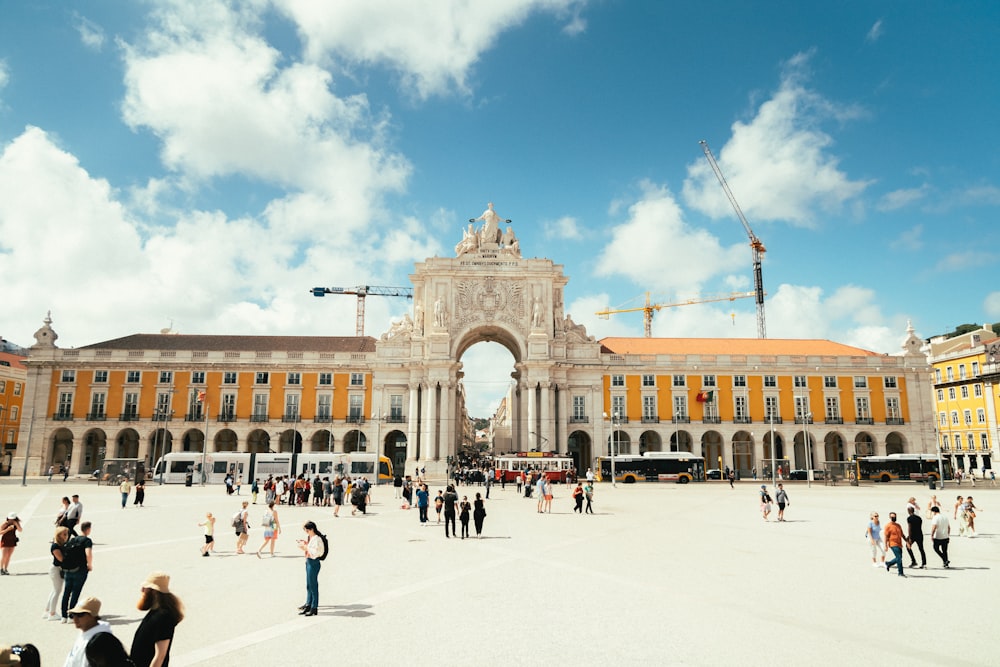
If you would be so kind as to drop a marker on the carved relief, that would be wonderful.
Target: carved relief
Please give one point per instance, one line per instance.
(489, 300)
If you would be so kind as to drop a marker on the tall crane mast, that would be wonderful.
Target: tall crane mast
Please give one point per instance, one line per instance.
(363, 291)
(650, 308)
(756, 245)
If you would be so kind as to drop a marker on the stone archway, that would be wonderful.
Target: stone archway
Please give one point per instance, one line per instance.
(61, 448)
(127, 444)
(193, 440)
(258, 441)
(712, 450)
(895, 443)
(579, 446)
(394, 449)
(864, 444)
(321, 441)
(290, 441)
(619, 443)
(354, 441)
(743, 453)
(680, 441)
(804, 456)
(95, 449)
(226, 441)
(833, 447)
(650, 441)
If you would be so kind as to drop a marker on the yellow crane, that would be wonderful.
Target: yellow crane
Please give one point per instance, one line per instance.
(650, 308)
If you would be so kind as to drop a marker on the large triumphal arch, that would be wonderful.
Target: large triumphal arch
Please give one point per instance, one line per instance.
(489, 292)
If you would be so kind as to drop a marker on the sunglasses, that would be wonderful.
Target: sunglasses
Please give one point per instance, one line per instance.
(76, 614)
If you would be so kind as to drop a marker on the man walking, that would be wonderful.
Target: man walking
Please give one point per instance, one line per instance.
(77, 563)
(782, 498)
(73, 515)
(894, 540)
(450, 502)
(940, 534)
(125, 488)
(915, 535)
(86, 617)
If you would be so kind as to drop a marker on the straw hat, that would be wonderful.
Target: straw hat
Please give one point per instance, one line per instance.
(158, 581)
(90, 606)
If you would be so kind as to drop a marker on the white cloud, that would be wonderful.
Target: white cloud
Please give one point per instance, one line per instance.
(910, 239)
(583, 310)
(659, 251)
(963, 261)
(433, 46)
(898, 199)
(991, 305)
(565, 228)
(91, 34)
(4, 73)
(779, 165)
(875, 32)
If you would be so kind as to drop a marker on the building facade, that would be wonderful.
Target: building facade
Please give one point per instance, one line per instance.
(729, 400)
(966, 394)
(13, 378)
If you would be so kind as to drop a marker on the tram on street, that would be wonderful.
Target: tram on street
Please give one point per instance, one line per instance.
(679, 467)
(556, 467)
(902, 467)
(175, 466)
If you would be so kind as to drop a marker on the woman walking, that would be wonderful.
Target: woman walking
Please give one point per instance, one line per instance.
(765, 502)
(271, 528)
(478, 514)
(8, 540)
(874, 535)
(55, 574)
(338, 495)
(140, 492)
(155, 634)
(578, 498)
(463, 515)
(588, 492)
(314, 548)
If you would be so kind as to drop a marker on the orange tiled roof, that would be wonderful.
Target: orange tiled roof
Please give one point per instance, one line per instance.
(747, 346)
(241, 343)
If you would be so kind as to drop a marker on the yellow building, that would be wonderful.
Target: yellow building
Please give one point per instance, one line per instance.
(12, 385)
(966, 395)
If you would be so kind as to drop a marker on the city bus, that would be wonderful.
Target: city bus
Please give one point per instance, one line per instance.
(680, 467)
(913, 467)
(556, 467)
(175, 466)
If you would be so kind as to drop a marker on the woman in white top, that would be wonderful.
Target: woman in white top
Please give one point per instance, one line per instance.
(874, 535)
(314, 549)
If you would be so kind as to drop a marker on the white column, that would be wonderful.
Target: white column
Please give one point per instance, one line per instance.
(412, 419)
(447, 423)
(534, 442)
(545, 428)
(432, 418)
(561, 425)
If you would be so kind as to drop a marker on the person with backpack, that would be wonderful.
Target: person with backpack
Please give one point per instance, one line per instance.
(77, 563)
(271, 527)
(314, 548)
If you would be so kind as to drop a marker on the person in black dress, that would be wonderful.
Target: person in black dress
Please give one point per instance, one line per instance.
(478, 514)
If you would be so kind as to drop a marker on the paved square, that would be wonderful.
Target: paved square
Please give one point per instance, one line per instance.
(661, 574)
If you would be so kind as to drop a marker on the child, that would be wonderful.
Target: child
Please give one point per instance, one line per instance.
(438, 504)
(209, 524)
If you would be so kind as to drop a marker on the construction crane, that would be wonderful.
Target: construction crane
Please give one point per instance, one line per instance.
(650, 308)
(363, 291)
(756, 245)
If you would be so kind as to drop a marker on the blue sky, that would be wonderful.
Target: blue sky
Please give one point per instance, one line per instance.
(202, 164)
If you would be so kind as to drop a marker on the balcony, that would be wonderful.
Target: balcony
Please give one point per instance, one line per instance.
(833, 420)
(63, 417)
(128, 417)
(864, 421)
(96, 416)
(291, 418)
(194, 417)
(258, 418)
(322, 419)
(803, 420)
(650, 420)
(681, 420)
(894, 421)
(355, 419)
(742, 419)
(712, 420)
(395, 419)
(773, 419)
(226, 416)
(579, 419)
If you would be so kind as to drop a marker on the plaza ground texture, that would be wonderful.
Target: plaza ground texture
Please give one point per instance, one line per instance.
(660, 574)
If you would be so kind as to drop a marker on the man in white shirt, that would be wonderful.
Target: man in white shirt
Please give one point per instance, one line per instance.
(940, 534)
(86, 618)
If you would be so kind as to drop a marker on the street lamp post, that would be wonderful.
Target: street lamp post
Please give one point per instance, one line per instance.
(615, 422)
(805, 431)
(774, 473)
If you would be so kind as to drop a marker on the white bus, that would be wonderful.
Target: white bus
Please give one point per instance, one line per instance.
(175, 466)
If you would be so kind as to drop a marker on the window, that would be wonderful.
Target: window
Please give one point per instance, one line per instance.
(13, 418)
(863, 413)
(326, 378)
(801, 407)
(229, 377)
(166, 377)
(100, 377)
(889, 381)
(937, 374)
(984, 441)
(262, 377)
(680, 407)
(972, 442)
(617, 380)
(830, 381)
(3, 386)
(975, 368)
(292, 406)
(679, 381)
(954, 417)
(832, 408)
(68, 376)
(131, 406)
(195, 407)
(770, 408)
(940, 394)
(65, 408)
(260, 406)
(739, 380)
(965, 391)
(227, 411)
(980, 416)
(648, 380)
(961, 371)
(892, 408)
(323, 407)
(618, 407)
(800, 381)
(740, 409)
(163, 405)
(17, 388)
(396, 407)
(97, 405)
(951, 393)
(977, 390)
(770, 381)
(357, 379)
(649, 408)
(294, 378)
(708, 381)
(579, 408)
(355, 405)
(198, 377)
(967, 414)
(950, 373)
(943, 418)
(860, 382)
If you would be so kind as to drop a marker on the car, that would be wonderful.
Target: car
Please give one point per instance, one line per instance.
(713, 473)
(804, 474)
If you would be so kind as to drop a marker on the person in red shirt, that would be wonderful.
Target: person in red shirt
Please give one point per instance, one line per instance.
(894, 540)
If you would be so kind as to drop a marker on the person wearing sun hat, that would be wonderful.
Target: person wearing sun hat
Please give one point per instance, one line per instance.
(8, 540)
(86, 616)
(153, 637)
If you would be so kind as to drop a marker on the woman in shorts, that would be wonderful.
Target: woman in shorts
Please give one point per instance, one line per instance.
(271, 528)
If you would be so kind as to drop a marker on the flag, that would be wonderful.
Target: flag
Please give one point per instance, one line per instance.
(201, 397)
(705, 396)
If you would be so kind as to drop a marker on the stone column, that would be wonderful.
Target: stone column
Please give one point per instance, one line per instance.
(545, 428)
(560, 433)
(534, 442)
(447, 423)
(431, 443)
(412, 420)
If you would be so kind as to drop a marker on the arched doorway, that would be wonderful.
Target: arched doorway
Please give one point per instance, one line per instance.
(127, 444)
(161, 442)
(321, 441)
(620, 443)
(394, 449)
(896, 444)
(95, 447)
(578, 446)
(258, 442)
(193, 440)
(680, 441)
(290, 441)
(354, 441)
(62, 448)
(804, 456)
(743, 458)
(650, 441)
(864, 444)
(226, 441)
(833, 447)
(779, 460)
(711, 450)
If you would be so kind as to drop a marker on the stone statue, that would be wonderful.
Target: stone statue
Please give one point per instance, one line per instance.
(490, 233)
(418, 320)
(469, 242)
(440, 314)
(511, 246)
(536, 313)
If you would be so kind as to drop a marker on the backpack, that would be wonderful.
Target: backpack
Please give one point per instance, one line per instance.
(74, 554)
(267, 521)
(238, 519)
(326, 546)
